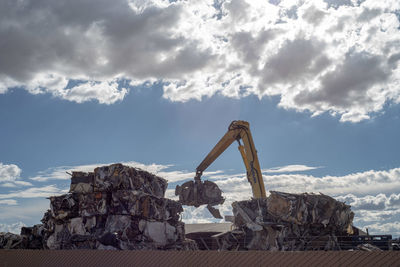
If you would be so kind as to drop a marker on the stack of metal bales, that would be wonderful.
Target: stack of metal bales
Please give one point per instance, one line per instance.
(288, 222)
(30, 238)
(114, 207)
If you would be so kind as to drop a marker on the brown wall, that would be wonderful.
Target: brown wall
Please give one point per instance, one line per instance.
(196, 258)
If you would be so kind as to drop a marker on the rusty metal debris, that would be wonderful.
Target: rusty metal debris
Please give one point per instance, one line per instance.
(30, 238)
(12, 241)
(113, 208)
(288, 222)
(197, 193)
(214, 212)
(368, 247)
(122, 208)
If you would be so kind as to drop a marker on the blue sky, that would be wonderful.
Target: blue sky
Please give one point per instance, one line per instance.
(318, 81)
(40, 132)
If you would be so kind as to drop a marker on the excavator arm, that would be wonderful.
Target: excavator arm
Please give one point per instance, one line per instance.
(196, 193)
(238, 130)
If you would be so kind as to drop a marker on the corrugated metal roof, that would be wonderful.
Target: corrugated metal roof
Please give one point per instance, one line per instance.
(196, 258)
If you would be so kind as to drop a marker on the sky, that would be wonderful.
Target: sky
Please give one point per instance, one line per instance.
(155, 84)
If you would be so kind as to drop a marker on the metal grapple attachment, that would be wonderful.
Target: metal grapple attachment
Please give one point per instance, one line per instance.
(197, 193)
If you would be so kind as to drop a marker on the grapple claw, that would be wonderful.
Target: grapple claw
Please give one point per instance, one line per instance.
(197, 193)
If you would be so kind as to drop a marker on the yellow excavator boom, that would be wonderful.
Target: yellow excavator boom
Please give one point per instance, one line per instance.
(238, 130)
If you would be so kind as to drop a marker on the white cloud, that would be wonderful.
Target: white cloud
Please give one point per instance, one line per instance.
(35, 192)
(28, 211)
(334, 56)
(10, 176)
(14, 228)
(9, 202)
(198, 215)
(23, 183)
(378, 202)
(60, 173)
(361, 183)
(384, 228)
(104, 92)
(9, 172)
(8, 185)
(290, 168)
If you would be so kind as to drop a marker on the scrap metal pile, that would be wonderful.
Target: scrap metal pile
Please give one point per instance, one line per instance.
(288, 222)
(30, 238)
(114, 207)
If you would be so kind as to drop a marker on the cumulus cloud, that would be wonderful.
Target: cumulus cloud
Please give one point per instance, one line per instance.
(10, 176)
(34, 192)
(373, 202)
(61, 172)
(335, 56)
(290, 168)
(385, 228)
(361, 183)
(14, 228)
(162, 170)
(378, 212)
(27, 211)
(9, 172)
(9, 202)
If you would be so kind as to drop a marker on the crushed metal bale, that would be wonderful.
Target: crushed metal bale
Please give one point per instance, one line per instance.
(288, 222)
(115, 207)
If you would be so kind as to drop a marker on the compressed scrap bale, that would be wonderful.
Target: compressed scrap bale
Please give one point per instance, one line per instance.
(12, 241)
(59, 238)
(310, 209)
(71, 235)
(286, 221)
(82, 242)
(114, 207)
(146, 206)
(76, 226)
(64, 206)
(34, 236)
(93, 204)
(160, 233)
(120, 177)
(127, 232)
(93, 224)
(247, 212)
(82, 182)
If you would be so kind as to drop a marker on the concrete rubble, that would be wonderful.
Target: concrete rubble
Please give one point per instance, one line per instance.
(288, 222)
(113, 208)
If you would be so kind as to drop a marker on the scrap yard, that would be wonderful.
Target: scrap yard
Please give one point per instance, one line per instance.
(200, 133)
(118, 207)
(122, 208)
